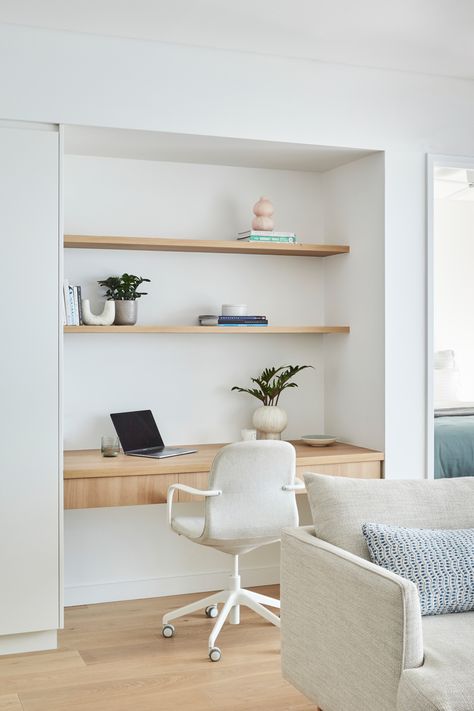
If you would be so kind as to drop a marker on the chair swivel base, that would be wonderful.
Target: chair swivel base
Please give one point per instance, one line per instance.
(231, 600)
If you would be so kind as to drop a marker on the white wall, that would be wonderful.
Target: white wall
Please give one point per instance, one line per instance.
(454, 286)
(63, 77)
(132, 84)
(185, 380)
(354, 294)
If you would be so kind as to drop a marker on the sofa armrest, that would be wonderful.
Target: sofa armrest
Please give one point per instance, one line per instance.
(349, 627)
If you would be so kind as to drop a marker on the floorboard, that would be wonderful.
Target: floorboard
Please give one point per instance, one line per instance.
(112, 657)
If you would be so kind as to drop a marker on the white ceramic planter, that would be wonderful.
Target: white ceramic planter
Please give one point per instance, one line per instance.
(269, 421)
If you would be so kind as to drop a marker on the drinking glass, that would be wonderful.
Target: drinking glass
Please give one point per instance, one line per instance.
(109, 445)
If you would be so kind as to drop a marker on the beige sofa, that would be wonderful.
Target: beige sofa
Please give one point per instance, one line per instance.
(353, 638)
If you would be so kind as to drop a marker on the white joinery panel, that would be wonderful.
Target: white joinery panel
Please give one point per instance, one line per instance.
(29, 383)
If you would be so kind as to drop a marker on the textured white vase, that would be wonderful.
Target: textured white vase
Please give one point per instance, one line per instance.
(269, 421)
(106, 318)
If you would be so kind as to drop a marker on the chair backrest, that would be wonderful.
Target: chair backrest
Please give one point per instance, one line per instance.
(340, 506)
(253, 504)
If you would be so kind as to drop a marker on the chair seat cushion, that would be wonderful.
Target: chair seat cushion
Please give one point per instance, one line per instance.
(189, 526)
(445, 682)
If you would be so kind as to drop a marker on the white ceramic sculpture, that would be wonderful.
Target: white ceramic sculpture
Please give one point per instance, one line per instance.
(263, 211)
(106, 318)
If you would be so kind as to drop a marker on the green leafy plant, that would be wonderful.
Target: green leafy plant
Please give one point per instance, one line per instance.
(123, 288)
(272, 382)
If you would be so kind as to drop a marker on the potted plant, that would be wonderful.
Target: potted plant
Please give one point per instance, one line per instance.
(123, 290)
(269, 419)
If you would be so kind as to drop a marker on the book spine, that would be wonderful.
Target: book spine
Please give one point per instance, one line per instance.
(68, 304)
(225, 319)
(79, 304)
(268, 238)
(264, 233)
(75, 306)
(253, 324)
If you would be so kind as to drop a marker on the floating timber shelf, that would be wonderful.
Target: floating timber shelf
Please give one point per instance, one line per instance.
(225, 330)
(164, 244)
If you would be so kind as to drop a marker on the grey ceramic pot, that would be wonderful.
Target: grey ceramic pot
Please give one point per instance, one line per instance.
(125, 313)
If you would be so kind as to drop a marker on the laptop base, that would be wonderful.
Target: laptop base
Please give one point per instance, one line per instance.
(165, 452)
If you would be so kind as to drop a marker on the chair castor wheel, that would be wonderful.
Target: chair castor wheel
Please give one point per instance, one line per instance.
(214, 654)
(211, 611)
(167, 631)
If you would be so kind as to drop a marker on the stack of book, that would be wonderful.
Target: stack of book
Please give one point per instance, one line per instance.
(267, 236)
(242, 321)
(72, 305)
(212, 320)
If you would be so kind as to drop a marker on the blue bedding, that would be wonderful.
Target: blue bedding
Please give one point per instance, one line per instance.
(454, 446)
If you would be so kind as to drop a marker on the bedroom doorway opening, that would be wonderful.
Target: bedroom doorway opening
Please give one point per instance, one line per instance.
(451, 341)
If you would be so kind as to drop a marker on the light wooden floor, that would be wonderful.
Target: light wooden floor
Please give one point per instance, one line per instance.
(112, 657)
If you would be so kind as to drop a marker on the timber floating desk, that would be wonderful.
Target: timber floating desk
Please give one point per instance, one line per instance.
(92, 481)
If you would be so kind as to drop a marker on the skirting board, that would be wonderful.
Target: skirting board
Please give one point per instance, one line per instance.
(28, 642)
(115, 591)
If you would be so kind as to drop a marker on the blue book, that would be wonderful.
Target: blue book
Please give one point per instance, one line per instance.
(241, 319)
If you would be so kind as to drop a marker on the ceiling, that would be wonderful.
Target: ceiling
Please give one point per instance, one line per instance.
(427, 36)
(187, 148)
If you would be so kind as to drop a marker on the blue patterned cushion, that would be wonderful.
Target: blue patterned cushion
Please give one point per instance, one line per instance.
(439, 562)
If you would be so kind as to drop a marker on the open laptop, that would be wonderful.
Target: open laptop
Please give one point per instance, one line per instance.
(140, 437)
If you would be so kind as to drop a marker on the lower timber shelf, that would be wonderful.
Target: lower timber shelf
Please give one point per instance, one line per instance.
(208, 329)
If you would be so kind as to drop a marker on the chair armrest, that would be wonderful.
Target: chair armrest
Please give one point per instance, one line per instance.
(297, 485)
(349, 627)
(188, 490)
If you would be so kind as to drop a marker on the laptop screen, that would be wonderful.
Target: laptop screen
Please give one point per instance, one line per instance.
(136, 430)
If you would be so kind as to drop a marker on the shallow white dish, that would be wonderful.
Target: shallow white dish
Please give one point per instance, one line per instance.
(318, 440)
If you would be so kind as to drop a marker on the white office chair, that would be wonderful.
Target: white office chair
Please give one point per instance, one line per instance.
(251, 497)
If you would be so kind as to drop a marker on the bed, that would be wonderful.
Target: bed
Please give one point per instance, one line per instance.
(454, 420)
(454, 440)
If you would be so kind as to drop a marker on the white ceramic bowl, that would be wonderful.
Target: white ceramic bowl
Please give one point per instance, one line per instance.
(319, 440)
(234, 309)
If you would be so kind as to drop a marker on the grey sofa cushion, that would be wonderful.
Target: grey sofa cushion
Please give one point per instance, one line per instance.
(440, 562)
(340, 506)
(445, 682)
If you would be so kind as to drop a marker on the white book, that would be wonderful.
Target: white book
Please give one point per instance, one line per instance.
(76, 306)
(68, 304)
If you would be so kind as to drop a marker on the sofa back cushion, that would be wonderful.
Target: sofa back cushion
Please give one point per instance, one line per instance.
(340, 506)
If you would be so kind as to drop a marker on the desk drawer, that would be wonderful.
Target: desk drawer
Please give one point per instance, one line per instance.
(116, 491)
(357, 470)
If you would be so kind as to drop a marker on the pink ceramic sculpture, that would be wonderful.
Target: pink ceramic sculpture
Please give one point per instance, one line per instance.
(263, 211)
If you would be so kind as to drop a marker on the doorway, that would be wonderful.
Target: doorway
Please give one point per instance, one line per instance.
(450, 343)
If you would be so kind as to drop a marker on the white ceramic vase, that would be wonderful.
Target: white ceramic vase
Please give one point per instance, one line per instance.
(269, 421)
